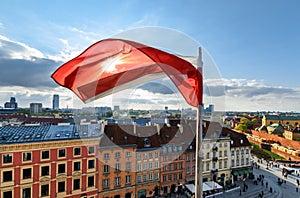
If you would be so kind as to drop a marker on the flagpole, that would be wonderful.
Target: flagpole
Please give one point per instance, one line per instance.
(199, 147)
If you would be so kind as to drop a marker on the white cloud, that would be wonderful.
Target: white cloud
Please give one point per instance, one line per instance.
(17, 50)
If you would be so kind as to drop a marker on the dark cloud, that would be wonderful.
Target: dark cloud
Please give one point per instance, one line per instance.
(27, 73)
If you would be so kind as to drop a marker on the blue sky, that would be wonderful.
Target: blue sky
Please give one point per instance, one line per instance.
(255, 44)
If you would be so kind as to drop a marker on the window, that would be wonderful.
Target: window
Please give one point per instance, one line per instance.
(26, 156)
(91, 181)
(128, 179)
(232, 153)
(187, 157)
(76, 184)
(128, 166)
(106, 156)
(155, 165)
(106, 169)
(45, 171)
(7, 194)
(156, 176)
(91, 164)
(150, 155)
(169, 177)
(45, 154)
(207, 167)
(139, 157)
(180, 166)
(156, 154)
(105, 183)
(175, 166)
(91, 149)
(26, 173)
(220, 153)
(76, 166)
(188, 170)
(117, 155)
(150, 166)
(77, 151)
(175, 176)
(164, 168)
(45, 190)
(7, 158)
(61, 168)
(150, 176)
(164, 178)
(145, 167)
(180, 175)
(164, 158)
(214, 165)
(170, 158)
(225, 153)
(225, 164)
(145, 178)
(62, 153)
(26, 193)
(170, 167)
(61, 186)
(117, 167)
(220, 164)
(139, 167)
(145, 156)
(117, 181)
(128, 153)
(139, 179)
(7, 176)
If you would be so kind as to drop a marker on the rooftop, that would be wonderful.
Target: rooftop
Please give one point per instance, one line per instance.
(25, 134)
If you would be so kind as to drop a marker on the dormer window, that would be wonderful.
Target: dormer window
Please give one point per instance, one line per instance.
(147, 142)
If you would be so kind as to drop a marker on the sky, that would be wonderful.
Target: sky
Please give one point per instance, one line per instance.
(253, 48)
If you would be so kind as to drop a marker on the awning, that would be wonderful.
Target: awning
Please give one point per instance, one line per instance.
(213, 185)
(241, 172)
(235, 173)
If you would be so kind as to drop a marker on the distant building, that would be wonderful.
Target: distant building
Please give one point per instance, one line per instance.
(36, 107)
(116, 108)
(11, 104)
(280, 119)
(55, 102)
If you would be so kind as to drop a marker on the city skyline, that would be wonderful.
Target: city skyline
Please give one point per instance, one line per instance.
(256, 54)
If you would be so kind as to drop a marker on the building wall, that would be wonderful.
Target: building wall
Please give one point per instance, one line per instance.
(216, 161)
(35, 172)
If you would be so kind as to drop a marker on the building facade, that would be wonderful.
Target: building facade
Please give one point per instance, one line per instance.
(48, 161)
(36, 107)
(55, 102)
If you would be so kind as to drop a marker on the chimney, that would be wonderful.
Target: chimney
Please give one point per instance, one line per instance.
(134, 128)
(158, 128)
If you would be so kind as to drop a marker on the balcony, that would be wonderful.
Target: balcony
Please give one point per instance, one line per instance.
(215, 149)
(214, 159)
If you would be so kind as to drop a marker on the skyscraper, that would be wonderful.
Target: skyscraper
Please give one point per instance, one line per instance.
(55, 102)
(12, 103)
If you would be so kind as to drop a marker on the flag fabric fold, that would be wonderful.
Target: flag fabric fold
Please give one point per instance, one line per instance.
(112, 65)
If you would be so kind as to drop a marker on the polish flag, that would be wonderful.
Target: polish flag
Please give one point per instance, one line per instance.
(112, 65)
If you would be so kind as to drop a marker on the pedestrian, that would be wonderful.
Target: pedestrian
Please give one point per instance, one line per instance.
(266, 185)
(298, 182)
(296, 189)
(271, 189)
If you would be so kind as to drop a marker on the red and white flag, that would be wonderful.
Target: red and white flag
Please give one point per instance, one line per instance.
(113, 65)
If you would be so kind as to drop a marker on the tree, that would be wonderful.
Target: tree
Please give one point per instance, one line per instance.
(241, 127)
